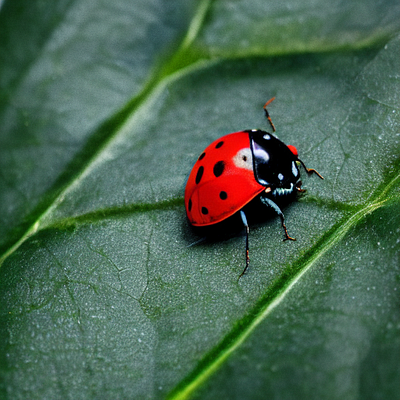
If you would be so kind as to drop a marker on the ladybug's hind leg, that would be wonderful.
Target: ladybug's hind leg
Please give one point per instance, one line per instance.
(246, 225)
(269, 203)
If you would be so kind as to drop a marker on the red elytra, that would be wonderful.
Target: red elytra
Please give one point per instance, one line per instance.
(217, 188)
(235, 169)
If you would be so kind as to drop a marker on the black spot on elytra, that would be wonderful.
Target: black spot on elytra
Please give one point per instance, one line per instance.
(223, 195)
(219, 144)
(202, 155)
(204, 210)
(218, 168)
(190, 205)
(199, 174)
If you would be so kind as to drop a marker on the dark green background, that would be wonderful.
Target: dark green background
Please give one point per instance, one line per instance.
(104, 107)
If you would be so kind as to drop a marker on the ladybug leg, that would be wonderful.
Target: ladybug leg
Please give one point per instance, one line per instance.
(268, 202)
(267, 114)
(298, 187)
(246, 225)
(310, 170)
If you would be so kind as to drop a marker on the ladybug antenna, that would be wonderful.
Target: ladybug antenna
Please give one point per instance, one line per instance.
(196, 242)
(267, 114)
(246, 225)
(310, 170)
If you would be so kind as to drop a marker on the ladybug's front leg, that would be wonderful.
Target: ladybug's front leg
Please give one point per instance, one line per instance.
(311, 170)
(269, 203)
(298, 187)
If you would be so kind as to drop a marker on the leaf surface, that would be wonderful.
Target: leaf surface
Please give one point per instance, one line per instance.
(105, 291)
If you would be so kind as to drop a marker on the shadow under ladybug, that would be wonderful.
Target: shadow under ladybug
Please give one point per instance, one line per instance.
(236, 172)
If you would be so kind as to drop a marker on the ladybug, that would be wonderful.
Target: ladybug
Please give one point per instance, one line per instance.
(235, 169)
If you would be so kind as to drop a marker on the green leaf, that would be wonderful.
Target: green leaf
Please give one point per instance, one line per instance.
(105, 291)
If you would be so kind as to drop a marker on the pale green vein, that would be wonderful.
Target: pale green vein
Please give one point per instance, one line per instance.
(196, 24)
(44, 219)
(336, 236)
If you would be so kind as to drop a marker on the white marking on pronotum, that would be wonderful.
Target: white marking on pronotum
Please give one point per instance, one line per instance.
(295, 171)
(259, 152)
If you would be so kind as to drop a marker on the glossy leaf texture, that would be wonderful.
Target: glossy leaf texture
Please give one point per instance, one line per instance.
(105, 291)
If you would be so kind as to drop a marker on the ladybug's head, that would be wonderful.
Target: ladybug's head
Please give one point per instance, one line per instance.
(293, 150)
(274, 163)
